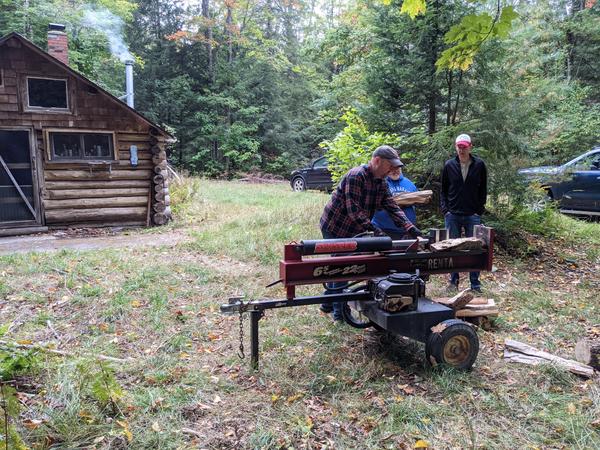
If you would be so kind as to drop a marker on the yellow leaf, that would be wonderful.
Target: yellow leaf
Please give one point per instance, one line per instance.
(24, 342)
(136, 303)
(426, 420)
(184, 355)
(421, 444)
(126, 431)
(571, 408)
(309, 422)
(156, 427)
(274, 398)
(293, 398)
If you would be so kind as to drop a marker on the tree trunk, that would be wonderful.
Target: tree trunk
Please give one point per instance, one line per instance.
(208, 36)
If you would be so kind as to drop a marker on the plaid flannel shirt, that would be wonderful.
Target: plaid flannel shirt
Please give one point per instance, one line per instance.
(354, 202)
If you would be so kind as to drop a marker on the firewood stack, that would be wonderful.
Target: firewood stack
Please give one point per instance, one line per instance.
(161, 201)
(467, 305)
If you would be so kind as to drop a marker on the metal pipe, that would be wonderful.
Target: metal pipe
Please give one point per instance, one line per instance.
(129, 82)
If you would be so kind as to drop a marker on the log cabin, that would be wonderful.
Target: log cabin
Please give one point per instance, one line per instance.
(71, 153)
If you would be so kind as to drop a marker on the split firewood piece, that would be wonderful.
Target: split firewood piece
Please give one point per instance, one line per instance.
(479, 301)
(516, 351)
(588, 352)
(488, 312)
(460, 299)
(413, 198)
(468, 243)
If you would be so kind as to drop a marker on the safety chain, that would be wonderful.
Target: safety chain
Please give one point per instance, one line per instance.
(242, 310)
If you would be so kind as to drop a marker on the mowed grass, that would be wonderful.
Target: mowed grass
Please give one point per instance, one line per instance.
(179, 383)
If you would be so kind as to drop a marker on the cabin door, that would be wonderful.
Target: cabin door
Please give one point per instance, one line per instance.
(18, 205)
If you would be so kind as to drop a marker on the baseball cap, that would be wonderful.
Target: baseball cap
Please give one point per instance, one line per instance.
(389, 153)
(463, 139)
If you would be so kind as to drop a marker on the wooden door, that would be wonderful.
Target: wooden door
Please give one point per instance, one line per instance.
(17, 193)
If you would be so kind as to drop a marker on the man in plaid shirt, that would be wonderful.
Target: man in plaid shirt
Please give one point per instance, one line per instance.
(362, 191)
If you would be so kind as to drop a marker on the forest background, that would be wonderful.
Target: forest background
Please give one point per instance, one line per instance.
(266, 85)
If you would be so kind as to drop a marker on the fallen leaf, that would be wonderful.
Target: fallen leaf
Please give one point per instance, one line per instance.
(409, 390)
(24, 342)
(136, 303)
(156, 427)
(571, 408)
(274, 398)
(32, 424)
(421, 444)
(293, 398)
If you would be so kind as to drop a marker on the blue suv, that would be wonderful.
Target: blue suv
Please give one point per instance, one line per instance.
(575, 185)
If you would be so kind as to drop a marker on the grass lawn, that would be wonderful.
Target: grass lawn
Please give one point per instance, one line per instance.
(178, 382)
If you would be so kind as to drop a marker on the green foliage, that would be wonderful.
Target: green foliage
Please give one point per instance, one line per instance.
(573, 129)
(353, 145)
(14, 360)
(468, 36)
(9, 412)
(412, 7)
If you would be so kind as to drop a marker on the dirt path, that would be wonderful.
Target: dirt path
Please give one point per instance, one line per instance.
(50, 243)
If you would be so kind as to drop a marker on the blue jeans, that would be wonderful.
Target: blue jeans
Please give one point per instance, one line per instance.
(334, 288)
(455, 223)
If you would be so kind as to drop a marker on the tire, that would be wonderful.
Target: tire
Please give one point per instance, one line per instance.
(298, 184)
(355, 318)
(452, 343)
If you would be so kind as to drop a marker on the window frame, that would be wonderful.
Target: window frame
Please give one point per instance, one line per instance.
(30, 108)
(1, 77)
(51, 157)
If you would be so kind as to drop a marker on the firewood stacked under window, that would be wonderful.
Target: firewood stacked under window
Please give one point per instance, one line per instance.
(161, 201)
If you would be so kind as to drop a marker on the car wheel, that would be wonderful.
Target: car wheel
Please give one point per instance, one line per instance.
(298, 184)
(539, 201)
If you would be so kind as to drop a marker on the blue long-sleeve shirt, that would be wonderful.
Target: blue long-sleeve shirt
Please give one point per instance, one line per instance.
(382, 219)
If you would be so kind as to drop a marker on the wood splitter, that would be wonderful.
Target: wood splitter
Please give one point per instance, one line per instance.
(385, 289)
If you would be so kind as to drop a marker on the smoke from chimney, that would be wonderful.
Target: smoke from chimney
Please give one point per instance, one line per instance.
(105, 22)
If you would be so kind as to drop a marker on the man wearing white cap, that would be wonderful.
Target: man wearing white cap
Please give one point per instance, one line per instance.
(463, 197)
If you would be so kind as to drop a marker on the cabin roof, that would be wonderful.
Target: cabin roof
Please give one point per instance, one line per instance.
(30, 45)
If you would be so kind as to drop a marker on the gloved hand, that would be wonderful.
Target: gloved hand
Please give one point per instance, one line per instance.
(378, 232)
(414, 232)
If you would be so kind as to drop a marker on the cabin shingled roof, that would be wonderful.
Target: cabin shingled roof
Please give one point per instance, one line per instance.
(52, 59)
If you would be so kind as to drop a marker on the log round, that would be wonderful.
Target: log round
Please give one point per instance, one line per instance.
(588, 352)
(158, 179)
(157, 160)
(160, 218)
(159, 207)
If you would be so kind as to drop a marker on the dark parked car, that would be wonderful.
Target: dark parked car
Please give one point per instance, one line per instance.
(317, 176)
(575, 185)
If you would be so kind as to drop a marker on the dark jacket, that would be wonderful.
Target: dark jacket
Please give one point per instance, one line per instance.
(464, 197)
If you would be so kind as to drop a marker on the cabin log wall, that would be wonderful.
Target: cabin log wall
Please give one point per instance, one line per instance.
(82, 193)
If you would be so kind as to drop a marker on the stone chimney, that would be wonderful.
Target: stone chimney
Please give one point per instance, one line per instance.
(58, 46)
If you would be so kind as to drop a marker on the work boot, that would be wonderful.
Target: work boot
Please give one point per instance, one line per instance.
(326, 308)
(477, 289)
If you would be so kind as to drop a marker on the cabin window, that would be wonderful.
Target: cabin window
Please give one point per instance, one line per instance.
(47, 93)
(81, 146)
(1, 77)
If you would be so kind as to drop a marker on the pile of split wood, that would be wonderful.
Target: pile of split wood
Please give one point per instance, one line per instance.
(467, 305)
(413, 198)
(161, 200)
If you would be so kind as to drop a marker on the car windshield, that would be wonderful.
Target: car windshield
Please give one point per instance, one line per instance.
(588, 162)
